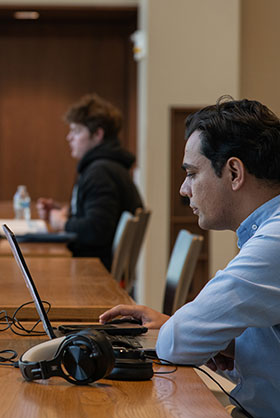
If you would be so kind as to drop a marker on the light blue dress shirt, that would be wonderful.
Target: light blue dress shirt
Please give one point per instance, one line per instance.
(242, 302)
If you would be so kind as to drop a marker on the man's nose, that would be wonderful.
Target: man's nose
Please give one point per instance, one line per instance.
(185, 190)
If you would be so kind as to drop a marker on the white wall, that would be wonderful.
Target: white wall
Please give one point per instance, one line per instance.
(192, 58)
(260, 52)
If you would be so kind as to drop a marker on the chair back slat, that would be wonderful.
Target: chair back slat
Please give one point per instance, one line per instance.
(122, 245)
(180, 270)
(143, 216)
(120, 228)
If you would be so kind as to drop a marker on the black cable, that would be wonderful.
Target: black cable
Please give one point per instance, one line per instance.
(4, 317)
(8, 360)
(163, 362)
(30, 332)
(16, 326)
(220, 386)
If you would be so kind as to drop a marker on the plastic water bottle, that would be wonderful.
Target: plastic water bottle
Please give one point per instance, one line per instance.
(22, 203)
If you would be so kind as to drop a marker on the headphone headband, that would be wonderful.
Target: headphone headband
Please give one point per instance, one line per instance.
(79, 358)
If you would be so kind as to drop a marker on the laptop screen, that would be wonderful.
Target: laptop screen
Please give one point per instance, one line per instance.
(29, 281)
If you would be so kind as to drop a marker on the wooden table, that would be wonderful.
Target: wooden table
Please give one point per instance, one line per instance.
(79, 289)
(31, 249)
(181, 394)
(36, 249)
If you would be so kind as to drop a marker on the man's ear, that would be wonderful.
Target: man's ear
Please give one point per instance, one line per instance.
(98, 136)
(236, 171)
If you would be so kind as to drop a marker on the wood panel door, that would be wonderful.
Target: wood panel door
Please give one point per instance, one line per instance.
(45, 66)
(181, 216)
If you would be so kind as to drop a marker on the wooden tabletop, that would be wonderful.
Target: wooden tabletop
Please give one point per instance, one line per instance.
(79, 289)
(181, 394)
(36, 249)
(30, 249)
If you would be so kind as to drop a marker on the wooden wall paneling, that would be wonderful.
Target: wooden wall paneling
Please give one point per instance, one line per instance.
(45, 66)
(181, 215)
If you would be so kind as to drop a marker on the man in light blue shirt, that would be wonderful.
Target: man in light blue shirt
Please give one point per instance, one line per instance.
(232, 164)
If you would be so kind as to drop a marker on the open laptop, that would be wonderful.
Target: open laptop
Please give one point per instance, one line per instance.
(116, 333)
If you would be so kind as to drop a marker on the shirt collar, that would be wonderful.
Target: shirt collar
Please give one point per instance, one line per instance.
(251, 224)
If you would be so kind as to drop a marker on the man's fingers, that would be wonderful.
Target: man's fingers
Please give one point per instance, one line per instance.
(123, 310)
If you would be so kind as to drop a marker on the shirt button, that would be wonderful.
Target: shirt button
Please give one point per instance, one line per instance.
(254, 227)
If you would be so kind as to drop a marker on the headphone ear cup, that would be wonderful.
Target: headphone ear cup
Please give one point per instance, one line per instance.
(107, 359)
(86, 358)
(77, 364)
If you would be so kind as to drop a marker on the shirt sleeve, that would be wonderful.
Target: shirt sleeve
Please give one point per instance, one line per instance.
(245, 294)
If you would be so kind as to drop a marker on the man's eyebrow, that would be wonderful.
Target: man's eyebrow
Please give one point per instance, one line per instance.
(186, 166)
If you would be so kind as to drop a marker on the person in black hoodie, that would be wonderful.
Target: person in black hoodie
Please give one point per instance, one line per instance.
(104, 188)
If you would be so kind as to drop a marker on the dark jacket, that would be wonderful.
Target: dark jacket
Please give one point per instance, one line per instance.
(104, 190)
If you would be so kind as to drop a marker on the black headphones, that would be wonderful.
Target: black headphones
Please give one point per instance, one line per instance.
(80, 358)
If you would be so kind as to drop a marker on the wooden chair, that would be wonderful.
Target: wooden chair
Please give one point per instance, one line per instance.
(180, 270)
(143, 216)
(123, 244)
(121, 225)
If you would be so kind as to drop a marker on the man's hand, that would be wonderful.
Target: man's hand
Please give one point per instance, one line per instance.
(148, 317)
(223, 360)
(57, 219)
(44, 207)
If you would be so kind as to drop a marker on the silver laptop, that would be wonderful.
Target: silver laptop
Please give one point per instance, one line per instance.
(136, 335)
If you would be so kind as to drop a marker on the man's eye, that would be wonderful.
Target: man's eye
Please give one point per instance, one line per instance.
(190, 174)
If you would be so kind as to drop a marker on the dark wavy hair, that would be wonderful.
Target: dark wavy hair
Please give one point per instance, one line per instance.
(94, 112)
(245, 129)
